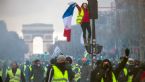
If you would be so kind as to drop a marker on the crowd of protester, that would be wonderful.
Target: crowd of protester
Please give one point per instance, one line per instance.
(65, 69)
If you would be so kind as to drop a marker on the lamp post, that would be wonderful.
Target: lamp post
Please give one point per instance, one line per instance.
(95, 48)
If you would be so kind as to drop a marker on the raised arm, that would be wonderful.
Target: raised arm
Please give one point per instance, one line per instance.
(122, 64)
(78, 7)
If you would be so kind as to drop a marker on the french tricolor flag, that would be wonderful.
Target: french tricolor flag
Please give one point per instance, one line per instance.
(67, 18)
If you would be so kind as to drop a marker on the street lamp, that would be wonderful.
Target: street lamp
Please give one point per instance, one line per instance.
(94, 48)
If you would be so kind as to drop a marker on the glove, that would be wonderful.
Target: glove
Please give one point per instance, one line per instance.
(127, 52)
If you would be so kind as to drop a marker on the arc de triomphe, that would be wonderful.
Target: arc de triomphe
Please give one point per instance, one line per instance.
(45, 31)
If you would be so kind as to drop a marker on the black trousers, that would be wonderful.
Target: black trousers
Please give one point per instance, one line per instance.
(86, 26)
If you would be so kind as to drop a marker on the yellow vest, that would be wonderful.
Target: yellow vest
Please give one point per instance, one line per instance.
(25, 66)
(113, 78)
(32, 77)
(1, 73)
(125, 71)
(130, 77)
(58, 76)
(80, 16)
(77, 76)
(24, 70)
(16, 77)
(45, 69)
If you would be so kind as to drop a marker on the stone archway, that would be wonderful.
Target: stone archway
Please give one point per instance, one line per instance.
(45, 31)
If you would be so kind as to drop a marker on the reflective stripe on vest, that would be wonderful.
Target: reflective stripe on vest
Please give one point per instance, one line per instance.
(113, 78)
(58, 76)
(16, 77)
(80, 16)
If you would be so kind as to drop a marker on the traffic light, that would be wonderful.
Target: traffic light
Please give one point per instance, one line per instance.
(93, 8)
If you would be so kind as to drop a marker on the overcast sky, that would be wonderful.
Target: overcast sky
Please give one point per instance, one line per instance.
(18, 12)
